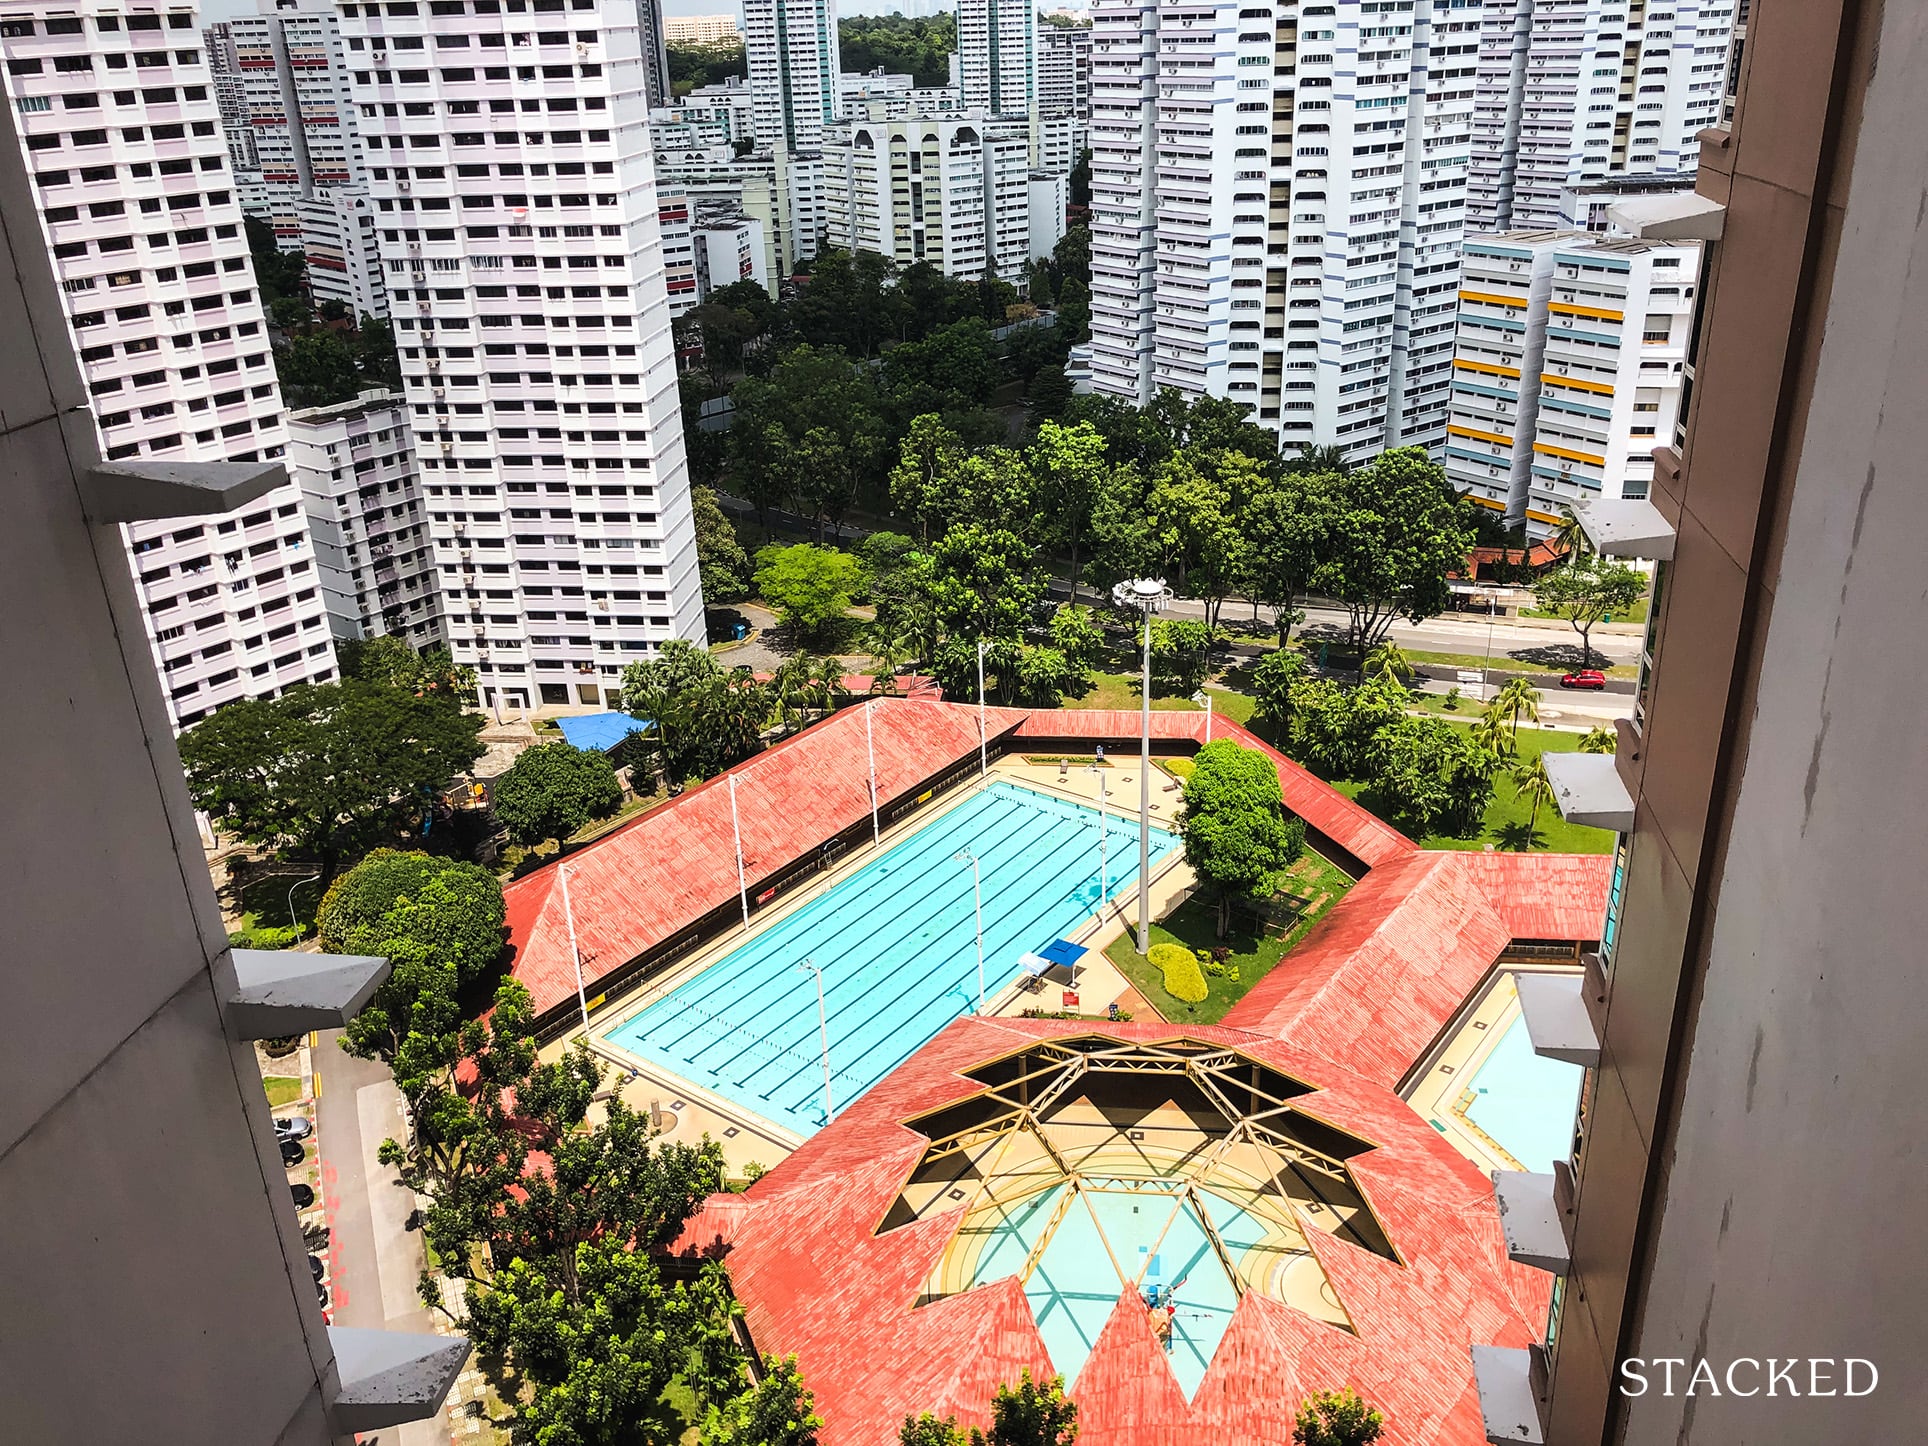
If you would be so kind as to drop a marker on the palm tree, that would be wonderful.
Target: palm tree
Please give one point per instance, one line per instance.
(1529, 778)
(792, 691)
(826, 681)
(1599, 740)
(1518, 699)
(1388, 662)
(889, 651)
(1569, 537)
(1490, 731)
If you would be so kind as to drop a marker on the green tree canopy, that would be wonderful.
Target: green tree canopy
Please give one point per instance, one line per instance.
(329, 769)
(1586, 591)
(553, 789)
(810, 587)
(1273, 681)
(1395, 530)
(391, 662)
(920, 47)
(1238, 836)
(703, 718)
(1336, 1418)
(721, 561)
(1031, 1413)
(1428, 773)
(1069, 463)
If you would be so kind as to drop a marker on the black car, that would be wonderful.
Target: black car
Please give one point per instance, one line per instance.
(304, 1195)
(316, 1268)
(292, 1153)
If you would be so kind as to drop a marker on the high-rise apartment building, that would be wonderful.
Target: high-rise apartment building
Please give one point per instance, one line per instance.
(1752, 1041)
(230, 94)
(653, 39)
(355, 464)
(954, 192)
(1064, 70)
(1567, 369)
(1277, 206)
(338, 241)
(117, 117)
(295, 84)
(700, 29)
(516, 208)
(1579, 90)
(792, 53)
(997, 56)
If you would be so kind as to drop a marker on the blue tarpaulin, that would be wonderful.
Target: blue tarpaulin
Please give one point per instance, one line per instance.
(599, 731)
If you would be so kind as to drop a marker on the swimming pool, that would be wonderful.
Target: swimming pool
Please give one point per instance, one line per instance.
(896, 942)
(1523, 1102)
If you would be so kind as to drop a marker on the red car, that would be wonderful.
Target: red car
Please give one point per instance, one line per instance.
(1584, 678)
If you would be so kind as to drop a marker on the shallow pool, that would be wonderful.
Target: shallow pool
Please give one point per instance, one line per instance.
(1523, 1102)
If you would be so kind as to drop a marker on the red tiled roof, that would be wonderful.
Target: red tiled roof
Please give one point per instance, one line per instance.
(1545, 896)
(641, 884)
(1367, 837)
(1379, 976)
(816, 1281)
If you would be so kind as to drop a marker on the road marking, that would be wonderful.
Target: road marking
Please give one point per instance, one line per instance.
(317, 1084)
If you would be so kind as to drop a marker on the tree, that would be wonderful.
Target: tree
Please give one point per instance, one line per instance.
(921, 46)
(553, 789)
(1274, 680)
(777, 1411)
(1388, 661)
(927, 1430)
(702, 718)
(1069, 463)
(1074, 310)
(1599, 740)
(1337, 1418)
(1533, 785)
(1515, 700)
(391, 662)
(810, 587)
(1029, 1414)
(1075, 633)
(328, 769)
(1194, 512)
(1588, 591)
(1430, 774)
(1334, 727)
(1396, 529)
(721, 562)
(983, 584)
(1180, 653)
(1048, 395)
(922, 481)
(1237, 835)
(1285, 523)
(1570, 537)
(439, 923)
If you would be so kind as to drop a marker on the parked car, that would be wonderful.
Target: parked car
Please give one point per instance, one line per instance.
(316, 1268)
(292, 1153)
(304, 1195)
(294, 1127)
(1584, 678)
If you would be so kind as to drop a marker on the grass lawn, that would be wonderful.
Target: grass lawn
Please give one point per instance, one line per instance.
(1228, 704)
(282, 1090)
(1120, 690)
(1506, 817)
(1635, 614)
(1193, 925)
(264, 901)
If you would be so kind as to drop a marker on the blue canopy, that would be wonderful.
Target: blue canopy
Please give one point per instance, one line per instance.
(1063, 951)
(599, 731)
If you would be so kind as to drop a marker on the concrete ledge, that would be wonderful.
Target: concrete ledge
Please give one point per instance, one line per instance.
(1556, 1018)
(1672, 216)
(1509, 1401)
(143, 491)
(1587, 789)
(1625, 527)
(279, 992)
(391, 1377)
(1530, 1216)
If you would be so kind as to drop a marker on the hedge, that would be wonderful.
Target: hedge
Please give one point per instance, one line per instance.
(1183, 978)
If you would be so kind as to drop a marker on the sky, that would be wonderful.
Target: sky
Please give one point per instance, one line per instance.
(212, 10)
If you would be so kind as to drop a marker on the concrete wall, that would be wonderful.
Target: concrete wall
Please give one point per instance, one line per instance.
(1788, 1219)
(153, 1281)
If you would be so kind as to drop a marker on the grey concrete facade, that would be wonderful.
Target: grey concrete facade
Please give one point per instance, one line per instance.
(155, 1288)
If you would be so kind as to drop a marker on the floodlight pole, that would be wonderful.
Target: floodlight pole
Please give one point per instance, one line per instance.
(575, 954)
(983, 748)
(870, 752)
(736, 828)
(1147, 595)
(977, 896)
(823, 1038)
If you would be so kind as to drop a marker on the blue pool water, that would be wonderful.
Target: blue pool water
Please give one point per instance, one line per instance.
(897, 945)
(1524, 1102)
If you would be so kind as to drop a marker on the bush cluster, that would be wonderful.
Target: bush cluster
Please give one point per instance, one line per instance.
(1183, 978)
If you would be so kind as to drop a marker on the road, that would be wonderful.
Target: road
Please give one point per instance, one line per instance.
(373, 1259)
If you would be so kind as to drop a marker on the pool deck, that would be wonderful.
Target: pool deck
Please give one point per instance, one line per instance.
(1438, 1094)
(692, 1111)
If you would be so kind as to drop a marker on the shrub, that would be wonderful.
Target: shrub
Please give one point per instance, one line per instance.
(443, 909)
(1183, 978)
(267, 936)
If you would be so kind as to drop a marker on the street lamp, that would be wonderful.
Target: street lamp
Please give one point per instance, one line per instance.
(823, 1037)
(575, 954)
(1104, 830)
(304, 879)
(977, 894)
(1148, 595)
